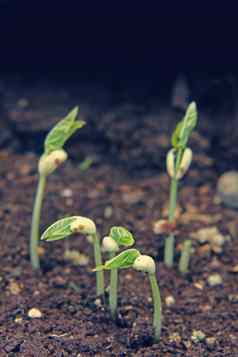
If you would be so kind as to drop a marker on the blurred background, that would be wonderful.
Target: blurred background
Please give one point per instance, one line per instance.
(132, 69)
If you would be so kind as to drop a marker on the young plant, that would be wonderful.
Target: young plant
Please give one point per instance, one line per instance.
(131, 258)
(118, 237)
(72, 225)
(52, 158)
(178, 161)
(185, 257)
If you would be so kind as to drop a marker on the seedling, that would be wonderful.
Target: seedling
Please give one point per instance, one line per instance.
(185, 257)
(68, 226)
(178, 161)
(52, 158)
(131, 258)
(118, 237)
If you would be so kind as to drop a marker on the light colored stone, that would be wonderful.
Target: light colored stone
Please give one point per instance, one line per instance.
(227, 188)
(210, 341)
(175, 337)
(214, 279)
(169, 300)
(34, 313)
(67, 193)
(14, 287)
(108, 212)
(159, 227)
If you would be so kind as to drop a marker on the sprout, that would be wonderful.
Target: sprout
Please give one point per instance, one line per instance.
(185, 256)
(118, 236)
(131, 258)
(66, 227)
(178, 161)
(52, 158)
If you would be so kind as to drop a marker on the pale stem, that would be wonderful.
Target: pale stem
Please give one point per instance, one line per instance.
(157, 316)
(169, 242)
(113, 290)
(98, 262)
(35, 225)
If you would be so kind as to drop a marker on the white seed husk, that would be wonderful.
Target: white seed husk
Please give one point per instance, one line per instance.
(145, 263)
(49, 163)
(83, 225)
(109, 245)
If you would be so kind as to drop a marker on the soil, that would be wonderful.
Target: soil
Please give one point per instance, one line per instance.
(114, 191)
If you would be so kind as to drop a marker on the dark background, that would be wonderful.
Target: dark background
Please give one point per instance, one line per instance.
(119, 41)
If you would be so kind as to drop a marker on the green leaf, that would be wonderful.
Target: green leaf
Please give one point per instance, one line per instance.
(62, 131)
(185, 127)
(123, 260)
(58, 230)
(122, 236)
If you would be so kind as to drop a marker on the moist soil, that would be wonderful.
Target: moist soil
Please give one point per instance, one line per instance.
(74, 322)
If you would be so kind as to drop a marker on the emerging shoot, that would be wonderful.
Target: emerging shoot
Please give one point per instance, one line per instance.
(52, 158)
(66, 227)
(118, 236)
(185, 257)
(131, 258)
(178, 161)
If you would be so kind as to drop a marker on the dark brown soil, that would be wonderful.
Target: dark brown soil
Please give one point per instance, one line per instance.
(74, 322)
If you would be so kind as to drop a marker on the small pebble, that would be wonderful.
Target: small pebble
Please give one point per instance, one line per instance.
(198, 336)
(108, 212)
(233, 298)
(67, 193)
(169, 300)
(199, 285)
(14, 288)
(210, 341)
(227, 188)
(34, 313)
(159, 227)
(18, 319)
(234, 269)
(214, 279)
(98, 302)
(23, 103)
(175, 337)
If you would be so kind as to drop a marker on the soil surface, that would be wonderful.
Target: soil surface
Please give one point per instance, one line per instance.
(114, 191)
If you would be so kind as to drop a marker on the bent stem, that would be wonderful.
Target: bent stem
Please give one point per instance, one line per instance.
(35, 225)
(113, 290)
(157, 317)
(169, 242)
(98, 262)
(185, 257)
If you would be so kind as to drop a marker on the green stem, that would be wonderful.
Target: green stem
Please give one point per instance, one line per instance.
(98, 262)
(169, 242)
(185, 257)
(35, 225)
(157, 317)
(113, 290)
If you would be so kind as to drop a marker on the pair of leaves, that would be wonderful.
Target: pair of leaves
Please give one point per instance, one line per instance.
(122, 236)
(59, 230)
(185, 127)
(62, 131)
(122, 261)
